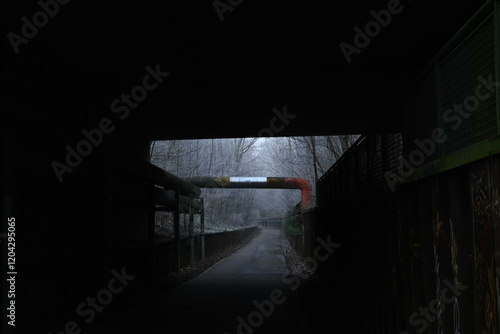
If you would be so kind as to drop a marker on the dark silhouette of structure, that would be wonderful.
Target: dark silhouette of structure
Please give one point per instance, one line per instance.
(414, 203)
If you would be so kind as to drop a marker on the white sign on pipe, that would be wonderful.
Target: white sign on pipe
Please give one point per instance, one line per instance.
(247, 179)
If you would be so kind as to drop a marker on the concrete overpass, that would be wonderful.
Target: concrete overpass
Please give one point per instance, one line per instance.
(87, 84)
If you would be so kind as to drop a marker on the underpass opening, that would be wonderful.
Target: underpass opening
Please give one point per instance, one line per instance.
(290, 160)
(237, 199)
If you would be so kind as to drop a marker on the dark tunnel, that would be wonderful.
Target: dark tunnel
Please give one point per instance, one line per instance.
(235, 166)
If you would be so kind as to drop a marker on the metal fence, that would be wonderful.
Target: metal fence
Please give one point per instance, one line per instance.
(215, 243)
(440, 227)
(451, 79)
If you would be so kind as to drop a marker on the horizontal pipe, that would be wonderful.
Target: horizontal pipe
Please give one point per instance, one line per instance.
(155, 174)
(257, 183)
(162, 197)
(166, 199)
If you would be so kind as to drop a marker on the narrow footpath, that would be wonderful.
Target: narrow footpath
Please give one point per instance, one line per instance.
(244, 293)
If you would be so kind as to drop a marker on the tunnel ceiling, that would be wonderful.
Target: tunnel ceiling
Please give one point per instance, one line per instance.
(226, 77)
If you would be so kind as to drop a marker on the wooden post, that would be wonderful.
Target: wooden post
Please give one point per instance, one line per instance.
(191, 232)
(202, 229)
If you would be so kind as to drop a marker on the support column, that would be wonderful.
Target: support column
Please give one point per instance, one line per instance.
(177, 232)
(191, 232)
(151, 232)
(202, 229)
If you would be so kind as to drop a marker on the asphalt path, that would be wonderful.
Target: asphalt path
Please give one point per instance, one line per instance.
(246, 292)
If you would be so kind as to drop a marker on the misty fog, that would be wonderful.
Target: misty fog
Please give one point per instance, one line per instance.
(226, 209)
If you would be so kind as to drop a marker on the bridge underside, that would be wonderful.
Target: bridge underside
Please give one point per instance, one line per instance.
(225, 77)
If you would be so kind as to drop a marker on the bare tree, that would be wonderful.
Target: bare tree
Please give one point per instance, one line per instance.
(306, 157)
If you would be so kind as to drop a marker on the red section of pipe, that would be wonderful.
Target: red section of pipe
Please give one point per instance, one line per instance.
(293, 183)
(254, 182)
(305, 190)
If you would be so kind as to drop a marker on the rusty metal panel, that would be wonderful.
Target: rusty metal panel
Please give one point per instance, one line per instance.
(482, 214)
(397, 283)
(405, 256)
(442, 254)
(461, 244)
(495, 193)
(404, 265)
(383, 284)
(414, 241)
(426, 246)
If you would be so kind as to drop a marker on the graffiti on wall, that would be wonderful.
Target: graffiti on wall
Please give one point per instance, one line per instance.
(484, 259)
